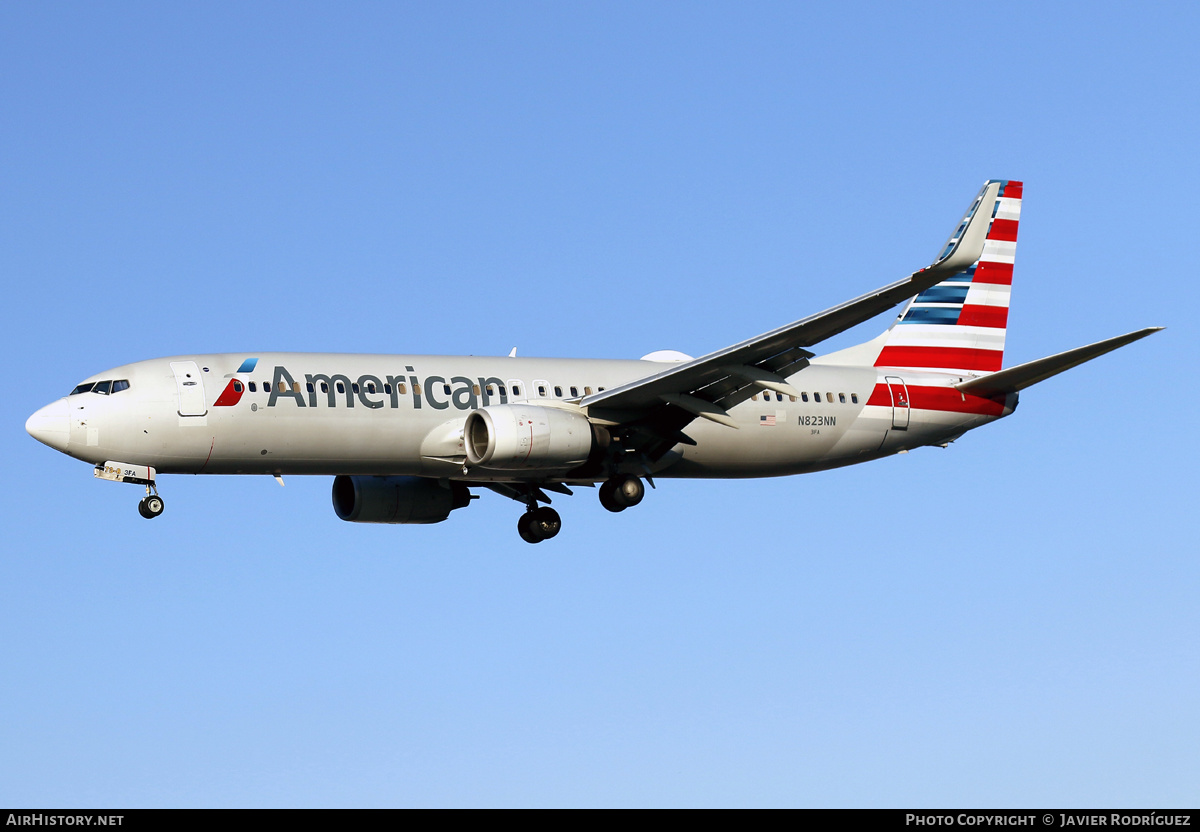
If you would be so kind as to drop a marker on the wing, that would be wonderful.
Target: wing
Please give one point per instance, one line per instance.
(662, 404)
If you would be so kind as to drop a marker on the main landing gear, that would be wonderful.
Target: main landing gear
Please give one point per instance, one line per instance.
(538, 524)
(151, 505)
(621, 493)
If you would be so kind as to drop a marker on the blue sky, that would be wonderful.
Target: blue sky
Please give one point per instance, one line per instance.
(1008, 622)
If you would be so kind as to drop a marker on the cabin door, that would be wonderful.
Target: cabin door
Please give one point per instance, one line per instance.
(900, 402)
(190, 388)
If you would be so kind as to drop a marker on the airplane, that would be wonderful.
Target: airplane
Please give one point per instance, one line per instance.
(407, 437)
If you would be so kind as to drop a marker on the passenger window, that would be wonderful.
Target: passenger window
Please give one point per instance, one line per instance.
(253, 389)
(324, 387)
(754, 398)
(266, 387)
(587, 391)
(854, 398)
(387, 389)
(475, 389)
(446, 389)
(541, 390)
(516, 391)
(403, 388)
(829, 397)
(791, 398)
(574, 391)
(416, 388)
(371, 387)
(83, 388)
(502, 391)
(237, 386)
(341, 388)
(102, 387)
(118, 386)
(803, 397)
(354, 387)
(599, 389)
(295, 387)
(842, 398)
(817, 398)
(309, 386)
(558, 392)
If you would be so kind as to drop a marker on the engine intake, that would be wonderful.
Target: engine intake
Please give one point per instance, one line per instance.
(396, 499)
(512, 437)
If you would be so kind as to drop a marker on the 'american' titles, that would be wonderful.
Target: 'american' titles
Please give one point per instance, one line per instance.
(373, 392)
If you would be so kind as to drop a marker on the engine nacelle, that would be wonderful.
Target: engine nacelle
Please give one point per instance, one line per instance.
(396, 499)
(512, 437)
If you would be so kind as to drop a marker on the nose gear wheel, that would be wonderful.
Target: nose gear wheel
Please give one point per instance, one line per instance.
(150, 506)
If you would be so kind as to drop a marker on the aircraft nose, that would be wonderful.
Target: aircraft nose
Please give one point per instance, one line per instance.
(51, 425)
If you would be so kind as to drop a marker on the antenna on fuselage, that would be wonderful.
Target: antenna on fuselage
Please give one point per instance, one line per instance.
(512, 353)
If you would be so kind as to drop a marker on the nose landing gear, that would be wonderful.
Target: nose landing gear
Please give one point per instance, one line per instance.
(151, 505)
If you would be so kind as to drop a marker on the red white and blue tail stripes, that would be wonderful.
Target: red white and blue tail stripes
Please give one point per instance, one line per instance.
(959, 324)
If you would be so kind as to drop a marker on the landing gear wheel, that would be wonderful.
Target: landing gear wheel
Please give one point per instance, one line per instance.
(546, 522)
(621, 493)
(608, 497)
(630, 491)
(539, 524)
(151, 506)
(525, 529)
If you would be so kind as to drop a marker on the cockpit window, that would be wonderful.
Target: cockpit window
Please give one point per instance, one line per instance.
(83, 388)
(102, 387)
(120, 385)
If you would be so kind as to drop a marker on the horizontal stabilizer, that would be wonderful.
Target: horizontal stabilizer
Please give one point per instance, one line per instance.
(1030, 373)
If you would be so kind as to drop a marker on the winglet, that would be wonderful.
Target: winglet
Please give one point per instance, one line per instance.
(1030, 373)
(965, 245)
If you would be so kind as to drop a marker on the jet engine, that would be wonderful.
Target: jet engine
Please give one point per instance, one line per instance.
(512, 437)
(396, 499)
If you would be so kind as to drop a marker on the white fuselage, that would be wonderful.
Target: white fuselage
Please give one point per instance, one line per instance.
(308, 413)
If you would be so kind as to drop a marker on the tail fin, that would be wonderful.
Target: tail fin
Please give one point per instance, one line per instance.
(959, 324)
